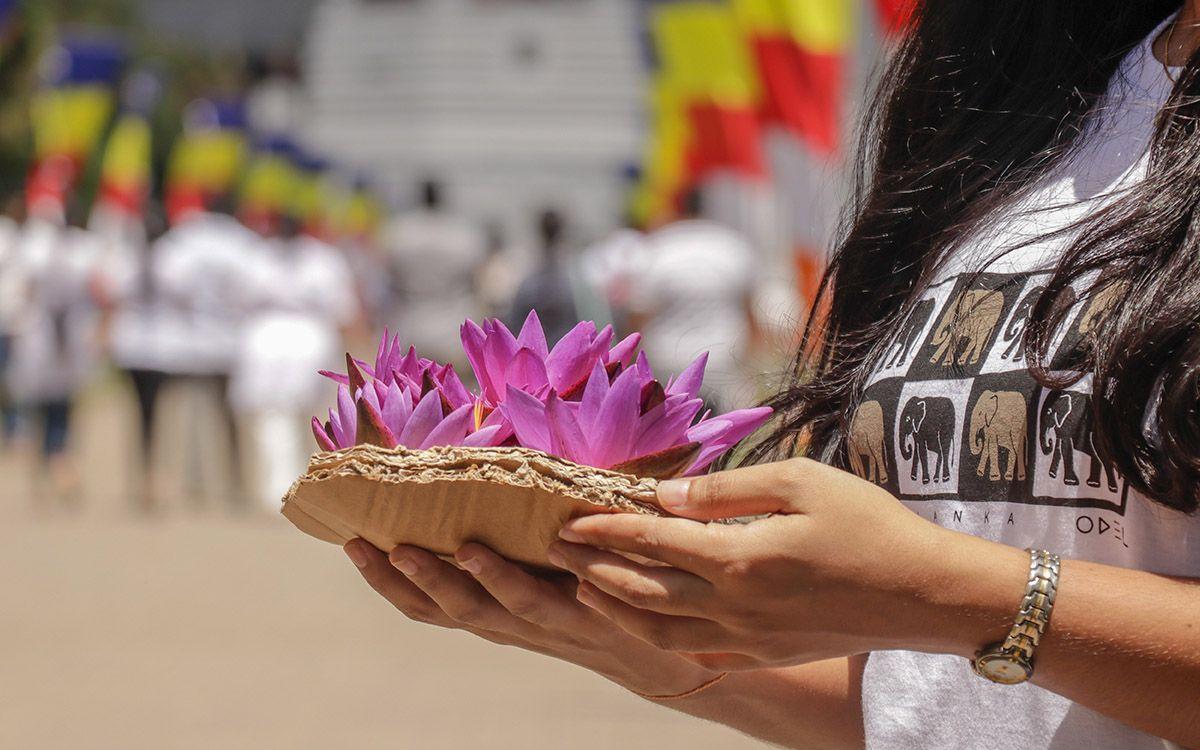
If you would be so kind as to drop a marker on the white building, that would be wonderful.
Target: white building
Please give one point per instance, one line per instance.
(514, 104)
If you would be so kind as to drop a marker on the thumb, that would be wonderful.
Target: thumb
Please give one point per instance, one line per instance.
(749, 491)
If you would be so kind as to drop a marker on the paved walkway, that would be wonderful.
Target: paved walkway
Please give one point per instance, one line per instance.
(199, 629)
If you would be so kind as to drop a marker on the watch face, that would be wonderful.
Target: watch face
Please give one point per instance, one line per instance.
(1003, 669)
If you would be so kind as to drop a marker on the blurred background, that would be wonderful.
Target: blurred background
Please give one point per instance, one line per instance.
(203, 204)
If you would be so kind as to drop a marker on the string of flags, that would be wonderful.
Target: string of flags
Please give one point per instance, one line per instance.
(93, 108)
(723, 71)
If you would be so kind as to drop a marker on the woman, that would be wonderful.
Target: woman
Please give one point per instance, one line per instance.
(1008, 360)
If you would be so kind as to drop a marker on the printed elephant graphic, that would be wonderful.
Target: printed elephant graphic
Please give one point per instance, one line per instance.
(966, 326)
(1099, 306)
(1014, 332)
(1065, 426)
(998, 421)
(927, 426)
(867, 457)
(902, 345)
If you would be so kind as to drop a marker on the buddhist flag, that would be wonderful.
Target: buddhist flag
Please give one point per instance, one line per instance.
(69, 115)
(271, 178)
(314, 194)
(800, 47)
(702, 103)
(126, 166)
(208, 157)
(703, 58)
(361, 214)
(665, 171)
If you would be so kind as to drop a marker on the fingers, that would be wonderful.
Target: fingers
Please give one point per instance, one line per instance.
(664, 590)
(680, 543)
(391, 585)
(455, 592)
(749, 491)
(688, 634)
(527, 597)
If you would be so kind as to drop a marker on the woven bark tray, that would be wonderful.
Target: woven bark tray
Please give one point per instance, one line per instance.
(514, 500)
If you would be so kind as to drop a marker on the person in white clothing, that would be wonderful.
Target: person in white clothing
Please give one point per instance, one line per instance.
(435, 255)
(12, 301)
(976, 520)
(56, 344)
(301, 296)
(199, 269)
(694, 293)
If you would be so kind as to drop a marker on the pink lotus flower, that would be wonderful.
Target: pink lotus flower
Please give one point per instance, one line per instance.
(631, 423)
(584, 400)
(415, 404)
(525, 362)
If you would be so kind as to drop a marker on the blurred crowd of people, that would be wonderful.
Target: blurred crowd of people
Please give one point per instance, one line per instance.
(248, 317)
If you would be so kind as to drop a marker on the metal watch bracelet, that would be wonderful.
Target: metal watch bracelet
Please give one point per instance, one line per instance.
(1010, 661)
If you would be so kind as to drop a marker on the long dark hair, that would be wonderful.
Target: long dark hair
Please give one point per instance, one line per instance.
(980, 101)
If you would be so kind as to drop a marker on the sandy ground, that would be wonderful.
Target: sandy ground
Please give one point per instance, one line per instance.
(199, 628)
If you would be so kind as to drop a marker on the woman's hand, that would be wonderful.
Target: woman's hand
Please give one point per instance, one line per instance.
(839, 568)
(496, 600)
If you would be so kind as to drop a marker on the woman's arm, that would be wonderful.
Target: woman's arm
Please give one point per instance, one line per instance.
(815, 706)
(843, 568)
(812, 706)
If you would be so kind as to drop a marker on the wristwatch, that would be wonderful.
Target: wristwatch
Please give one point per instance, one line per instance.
(1010, 662)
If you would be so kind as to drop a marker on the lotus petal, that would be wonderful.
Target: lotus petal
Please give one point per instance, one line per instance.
(593, 396)
(527, 415)
(322, 436)
(485, 437)
(624, 349)
(568, 362)
(371, 429)
(425, 417)
(532, 336)
(614, 429)
(565, 436)
(690, 380)
(347, 416)
(665, 425)
(451, 430)
(527, 371)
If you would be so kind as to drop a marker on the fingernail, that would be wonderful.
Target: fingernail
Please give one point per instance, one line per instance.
(405, 565)
(555, 556)
(356, 555)
(570, 535)
(471, 565)
(673, 493)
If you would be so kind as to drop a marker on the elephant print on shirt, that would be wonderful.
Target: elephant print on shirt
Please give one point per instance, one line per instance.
(1014, 332)
(1066, 426)
(927, 426)
(1099, 306)
(865, 443)
(966, 326)
(998, 421)
(900, 347)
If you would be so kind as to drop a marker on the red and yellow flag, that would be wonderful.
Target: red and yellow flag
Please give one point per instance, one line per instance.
(703, 104)
(125, 171)
(800, 47)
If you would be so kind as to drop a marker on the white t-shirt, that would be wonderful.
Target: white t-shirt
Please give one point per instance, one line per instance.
(953, 424)
(435, 256)
(301, 292)
(199, 267)
(695, 283)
